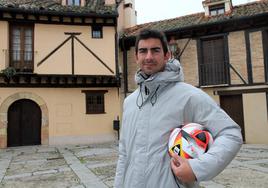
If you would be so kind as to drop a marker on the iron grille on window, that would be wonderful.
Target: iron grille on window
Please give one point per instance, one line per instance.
(95, 101)
(213, 67)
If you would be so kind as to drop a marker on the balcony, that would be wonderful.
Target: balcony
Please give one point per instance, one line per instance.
(213, 74)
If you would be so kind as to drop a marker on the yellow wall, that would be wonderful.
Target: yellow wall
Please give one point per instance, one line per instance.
(3, 45)
(210, 92)
(255, 116)
(48, 37)
(68, 121)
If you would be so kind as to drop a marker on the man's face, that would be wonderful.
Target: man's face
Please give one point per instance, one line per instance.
(150, 56)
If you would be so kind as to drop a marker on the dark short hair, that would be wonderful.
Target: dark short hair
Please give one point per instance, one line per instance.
(150, 33)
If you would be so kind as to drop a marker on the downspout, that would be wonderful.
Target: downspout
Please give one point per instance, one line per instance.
(125, 68)
(117, 73)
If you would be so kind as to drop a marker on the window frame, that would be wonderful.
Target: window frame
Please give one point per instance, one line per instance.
(24, 63)
(225, 80)
(73, 2)
(92, 98)
(97, 29)
(216, 9)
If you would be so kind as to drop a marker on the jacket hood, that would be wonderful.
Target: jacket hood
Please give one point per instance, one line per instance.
(151, 86)
(172, 73)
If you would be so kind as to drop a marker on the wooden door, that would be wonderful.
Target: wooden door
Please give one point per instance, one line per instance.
(24, 123)
(233, 106)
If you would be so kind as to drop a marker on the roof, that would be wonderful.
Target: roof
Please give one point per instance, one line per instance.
(199, 19)
(92, 7)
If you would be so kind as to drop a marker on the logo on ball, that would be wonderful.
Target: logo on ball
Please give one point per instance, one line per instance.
(190, 141)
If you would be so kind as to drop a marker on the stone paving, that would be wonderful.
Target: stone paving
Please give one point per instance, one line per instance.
(93, 166)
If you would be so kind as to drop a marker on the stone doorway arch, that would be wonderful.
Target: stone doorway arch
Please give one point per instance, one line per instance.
(4, 116)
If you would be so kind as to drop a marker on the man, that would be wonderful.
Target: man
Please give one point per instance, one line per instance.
(161, 103)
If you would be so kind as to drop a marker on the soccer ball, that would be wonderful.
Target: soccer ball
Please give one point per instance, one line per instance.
(190, 141)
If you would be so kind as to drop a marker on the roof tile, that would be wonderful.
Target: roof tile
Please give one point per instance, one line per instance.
(92, 6)
(243, 10)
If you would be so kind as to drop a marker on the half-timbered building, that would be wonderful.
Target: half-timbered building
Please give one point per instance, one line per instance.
(223, 51)
(59, 81)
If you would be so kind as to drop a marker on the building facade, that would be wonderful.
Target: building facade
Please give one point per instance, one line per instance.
(223, 51)
(59, 81)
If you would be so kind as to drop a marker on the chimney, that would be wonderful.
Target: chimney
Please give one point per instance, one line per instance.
(83, 3)
(110, 2)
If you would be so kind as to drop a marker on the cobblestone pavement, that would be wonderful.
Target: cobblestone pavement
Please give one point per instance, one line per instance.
(94, 166)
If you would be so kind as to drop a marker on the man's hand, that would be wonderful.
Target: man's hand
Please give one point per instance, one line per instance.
(182, 169)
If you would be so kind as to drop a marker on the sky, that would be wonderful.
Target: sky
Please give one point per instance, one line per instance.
(155, 10)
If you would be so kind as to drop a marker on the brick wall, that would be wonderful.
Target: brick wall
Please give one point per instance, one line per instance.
(132, 68)
(189, 61)
(237, 56)
(257, 60)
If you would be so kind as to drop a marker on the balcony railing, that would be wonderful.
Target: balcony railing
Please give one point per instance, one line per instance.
(213, 74)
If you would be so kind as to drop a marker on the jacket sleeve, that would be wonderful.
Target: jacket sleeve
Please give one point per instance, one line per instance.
(226, 133)
(121, 163)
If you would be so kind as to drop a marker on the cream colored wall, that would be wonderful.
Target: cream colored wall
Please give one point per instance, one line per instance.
(210, 92)
(48, 37)
(68, 121)
(255, 118)
(3, 45)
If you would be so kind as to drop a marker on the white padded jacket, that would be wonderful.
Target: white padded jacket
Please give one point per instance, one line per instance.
(161, 103)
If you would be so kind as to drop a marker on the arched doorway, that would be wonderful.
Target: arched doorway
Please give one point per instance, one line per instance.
(24, 123)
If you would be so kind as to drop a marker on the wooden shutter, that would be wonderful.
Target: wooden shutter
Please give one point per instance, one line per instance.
(213, 66)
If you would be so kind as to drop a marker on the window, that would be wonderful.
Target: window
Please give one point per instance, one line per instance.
(96, 32)
(213, 62)
(21, 47)
(74, 2)
(95, 101)
(216, 9)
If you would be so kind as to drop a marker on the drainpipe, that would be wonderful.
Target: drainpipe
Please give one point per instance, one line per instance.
(125, 67)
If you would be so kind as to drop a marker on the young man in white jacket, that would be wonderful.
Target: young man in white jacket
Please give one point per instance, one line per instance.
(161, 103)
